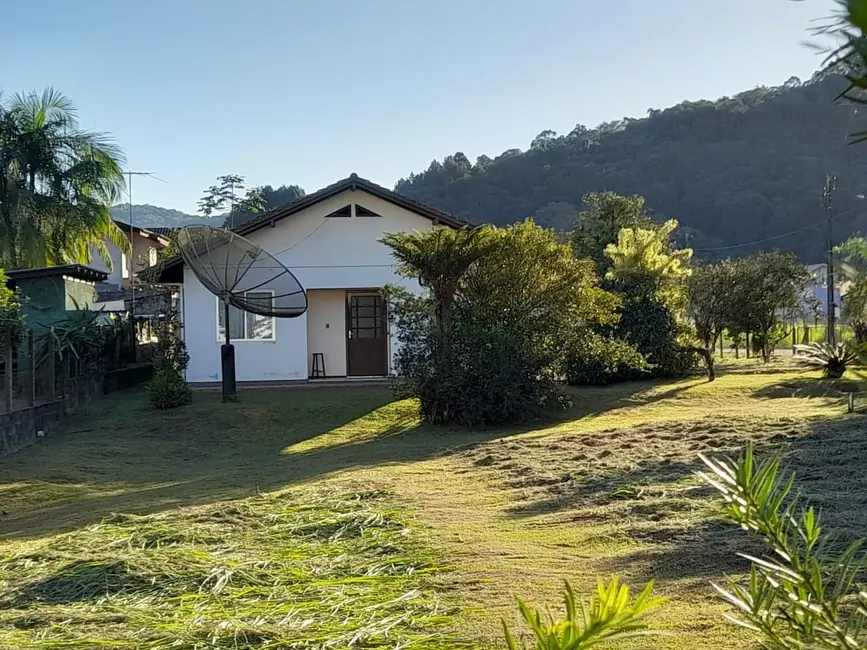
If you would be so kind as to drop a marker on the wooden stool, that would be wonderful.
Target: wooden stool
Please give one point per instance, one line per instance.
(318, 365)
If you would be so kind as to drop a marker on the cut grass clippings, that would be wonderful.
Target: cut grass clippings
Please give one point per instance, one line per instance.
(308, 569)
(603, 489)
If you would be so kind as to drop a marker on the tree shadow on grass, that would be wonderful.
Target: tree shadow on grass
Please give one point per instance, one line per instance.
(810, 387)
(588, 469)
(829, 460)
(123, 456)
(77, 582)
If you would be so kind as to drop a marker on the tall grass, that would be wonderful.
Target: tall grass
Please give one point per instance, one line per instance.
(315, 569)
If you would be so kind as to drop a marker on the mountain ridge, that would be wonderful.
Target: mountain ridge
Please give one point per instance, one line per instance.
(145, 215)
(740, 173)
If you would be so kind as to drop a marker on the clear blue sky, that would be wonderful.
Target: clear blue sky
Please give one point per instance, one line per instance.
(282, 91)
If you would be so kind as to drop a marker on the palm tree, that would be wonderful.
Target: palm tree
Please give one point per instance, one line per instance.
(57, 184)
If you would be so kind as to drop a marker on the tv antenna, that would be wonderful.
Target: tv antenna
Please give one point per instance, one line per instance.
(131, 260)
(241, 275)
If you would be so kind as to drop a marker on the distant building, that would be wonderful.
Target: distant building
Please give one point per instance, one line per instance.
(145, 245)
(819, 287)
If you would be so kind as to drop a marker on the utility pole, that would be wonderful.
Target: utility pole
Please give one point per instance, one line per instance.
(831, 322)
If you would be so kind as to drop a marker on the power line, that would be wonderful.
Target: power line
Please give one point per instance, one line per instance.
(760, 241)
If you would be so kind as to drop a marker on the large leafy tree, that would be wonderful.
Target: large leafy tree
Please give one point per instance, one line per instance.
(648, 251)
(769, 294)
(646, 256)
(604, 215)
(230, 194)
(57, 183)
(710, 289)
(439, 259)
(648, 272)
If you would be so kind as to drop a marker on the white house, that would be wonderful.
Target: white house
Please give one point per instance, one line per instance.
(330, 241)
(144, 244)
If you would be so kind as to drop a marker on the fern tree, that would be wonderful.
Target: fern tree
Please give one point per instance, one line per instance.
(439, 259)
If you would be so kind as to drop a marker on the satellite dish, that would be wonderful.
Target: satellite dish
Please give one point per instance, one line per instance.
(232, 268)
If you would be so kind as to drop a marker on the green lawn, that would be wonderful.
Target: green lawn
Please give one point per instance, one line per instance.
(606, 488)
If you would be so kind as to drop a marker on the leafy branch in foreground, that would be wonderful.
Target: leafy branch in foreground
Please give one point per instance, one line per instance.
(807, 594)
(611, 617)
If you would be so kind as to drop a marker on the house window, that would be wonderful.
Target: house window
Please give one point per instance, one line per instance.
(124, 266)
(361, 211)
(152, 256)
(345, 211)
(244, 326)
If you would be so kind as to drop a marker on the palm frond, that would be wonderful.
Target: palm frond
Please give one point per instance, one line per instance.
(59, 183)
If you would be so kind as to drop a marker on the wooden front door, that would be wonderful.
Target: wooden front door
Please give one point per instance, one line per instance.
(367, 343)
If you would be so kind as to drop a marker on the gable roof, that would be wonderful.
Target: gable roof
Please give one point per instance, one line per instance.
(353, 182)
(163, 231)
(149, 233)
(169, 272)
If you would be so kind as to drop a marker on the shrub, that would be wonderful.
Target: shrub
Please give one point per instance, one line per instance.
(11, 317)
(596, 359)
(78, 337)
(484, 344)
(650, 324)
(167, 388)
(170, 346)
(490, 376)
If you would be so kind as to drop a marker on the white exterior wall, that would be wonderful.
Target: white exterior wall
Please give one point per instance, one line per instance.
(326, 330)
(141, 256)
(96, 262)
(323, 253)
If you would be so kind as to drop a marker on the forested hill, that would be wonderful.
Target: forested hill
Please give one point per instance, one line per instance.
(151, 216)
(736, 170)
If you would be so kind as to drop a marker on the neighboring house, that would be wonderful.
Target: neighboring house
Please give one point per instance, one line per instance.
(144, 247)
(51, 292)
(819, 287)
(330, 241)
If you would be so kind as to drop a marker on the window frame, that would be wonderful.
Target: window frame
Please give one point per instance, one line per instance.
(219, 309)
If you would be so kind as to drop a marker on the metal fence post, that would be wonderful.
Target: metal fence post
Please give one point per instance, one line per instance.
(65, 382)
(31, 369)
(9, 386)
(50, 361)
